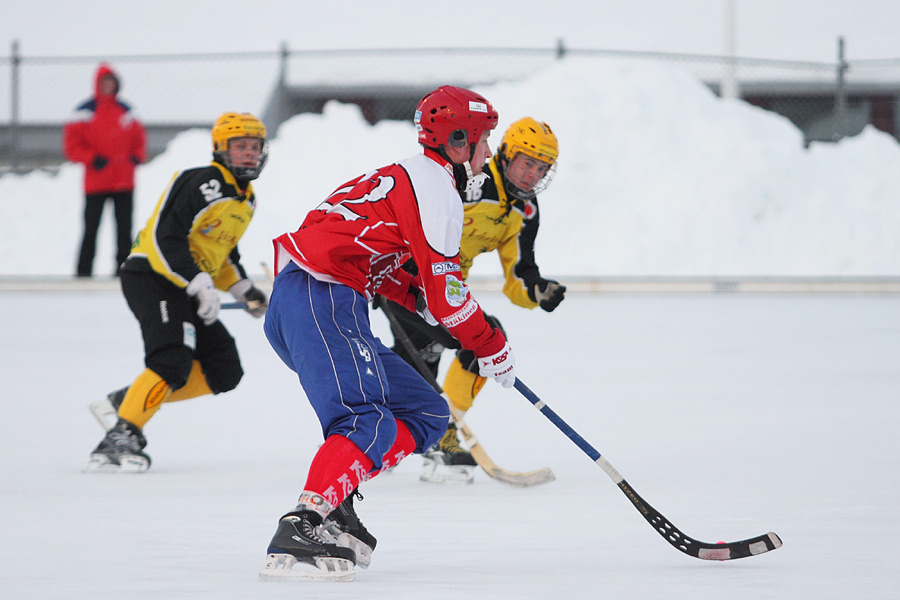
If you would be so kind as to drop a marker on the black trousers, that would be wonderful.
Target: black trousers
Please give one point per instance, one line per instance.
(174, 336)
(123, 205)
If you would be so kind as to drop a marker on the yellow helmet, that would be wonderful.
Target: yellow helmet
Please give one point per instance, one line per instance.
(530, 137)
(230, 126)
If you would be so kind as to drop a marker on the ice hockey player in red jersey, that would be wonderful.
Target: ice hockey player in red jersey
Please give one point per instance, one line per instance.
(374, 408)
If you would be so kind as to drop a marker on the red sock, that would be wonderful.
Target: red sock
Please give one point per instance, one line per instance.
(340, 466)
(337, 469)
(403, 446)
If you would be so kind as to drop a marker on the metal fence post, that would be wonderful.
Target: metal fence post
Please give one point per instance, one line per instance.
(560, 49)
(14, 107)
(282, 73)
(840, 96)
(729, 87)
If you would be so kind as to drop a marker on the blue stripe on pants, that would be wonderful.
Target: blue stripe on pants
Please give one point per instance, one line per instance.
(355, 384)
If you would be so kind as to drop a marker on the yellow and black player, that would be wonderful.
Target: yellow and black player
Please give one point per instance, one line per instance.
(185, 253)
(501, 215)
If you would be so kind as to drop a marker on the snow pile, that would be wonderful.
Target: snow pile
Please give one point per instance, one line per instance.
(657, 176)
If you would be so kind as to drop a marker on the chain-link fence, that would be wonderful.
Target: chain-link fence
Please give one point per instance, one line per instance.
(170, 93)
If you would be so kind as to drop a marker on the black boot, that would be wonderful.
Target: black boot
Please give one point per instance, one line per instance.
(106, 410)
(297, 541)
(454, 453)
(343, 526)
(121, 450)
(115, 398)
(447, 461)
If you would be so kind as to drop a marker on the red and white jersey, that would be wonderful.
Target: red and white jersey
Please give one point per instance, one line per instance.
(367, 228)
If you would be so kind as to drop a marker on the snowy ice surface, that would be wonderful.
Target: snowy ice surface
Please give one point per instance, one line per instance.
(656, 176)
(733, 415)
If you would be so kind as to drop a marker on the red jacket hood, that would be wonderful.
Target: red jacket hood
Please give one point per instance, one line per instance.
(102, 71)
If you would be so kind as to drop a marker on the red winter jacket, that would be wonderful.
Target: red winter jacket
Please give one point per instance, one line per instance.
(104, 127)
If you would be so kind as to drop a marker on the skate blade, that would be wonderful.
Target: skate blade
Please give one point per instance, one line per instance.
(331, 533)
(363, 552)
(281, 567)
(101, 464)
(104, 412)
(435, 472)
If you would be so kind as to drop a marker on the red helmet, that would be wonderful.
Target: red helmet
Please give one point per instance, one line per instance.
(453, 116)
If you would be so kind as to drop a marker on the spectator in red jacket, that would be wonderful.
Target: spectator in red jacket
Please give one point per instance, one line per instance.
(105, 137)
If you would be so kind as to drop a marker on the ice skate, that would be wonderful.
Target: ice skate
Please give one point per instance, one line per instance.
(343, 527)
(106, 409)
(297, 552)
(121, 451)
(448, 462)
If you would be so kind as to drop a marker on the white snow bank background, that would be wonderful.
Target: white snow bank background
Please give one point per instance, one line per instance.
(656, 176)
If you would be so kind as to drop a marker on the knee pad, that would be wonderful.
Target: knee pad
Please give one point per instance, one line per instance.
(223, 375)
(172, 364)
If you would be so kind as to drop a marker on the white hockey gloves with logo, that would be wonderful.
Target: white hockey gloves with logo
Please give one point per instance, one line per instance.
(256, 301)
(201, 287)
(500, 366)
(548, 293)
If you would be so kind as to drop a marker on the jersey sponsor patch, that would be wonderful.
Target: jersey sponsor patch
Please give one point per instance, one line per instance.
(455, 291)
(461, 315)
(477, 106)
(443, 267)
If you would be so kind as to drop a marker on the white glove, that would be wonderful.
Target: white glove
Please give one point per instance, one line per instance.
(244, 291)
(201, 287)
(429, 318)
(500, 366)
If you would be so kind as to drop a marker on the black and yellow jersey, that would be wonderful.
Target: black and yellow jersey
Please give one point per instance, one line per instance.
(196, 227)
(494, 221)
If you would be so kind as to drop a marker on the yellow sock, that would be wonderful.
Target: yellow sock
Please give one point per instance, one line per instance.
(196, 385)
(144, 397)
(462, 386)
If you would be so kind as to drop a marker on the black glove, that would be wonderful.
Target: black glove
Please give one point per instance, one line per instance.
(257, 303)
(135, 160)
(548, 293)
(99, 162)
(245, 291)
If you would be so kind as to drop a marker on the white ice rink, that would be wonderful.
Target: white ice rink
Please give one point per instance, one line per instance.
(733, 414)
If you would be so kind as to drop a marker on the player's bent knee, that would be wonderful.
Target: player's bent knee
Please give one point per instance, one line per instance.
(173, 365)
(428, 426)
(223, 376)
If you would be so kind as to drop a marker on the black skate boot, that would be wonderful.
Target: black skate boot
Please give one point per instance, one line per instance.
(296, 542)
(121, 450)
(105, 410)
(453, 452)
(448, 462)
(343, 527)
